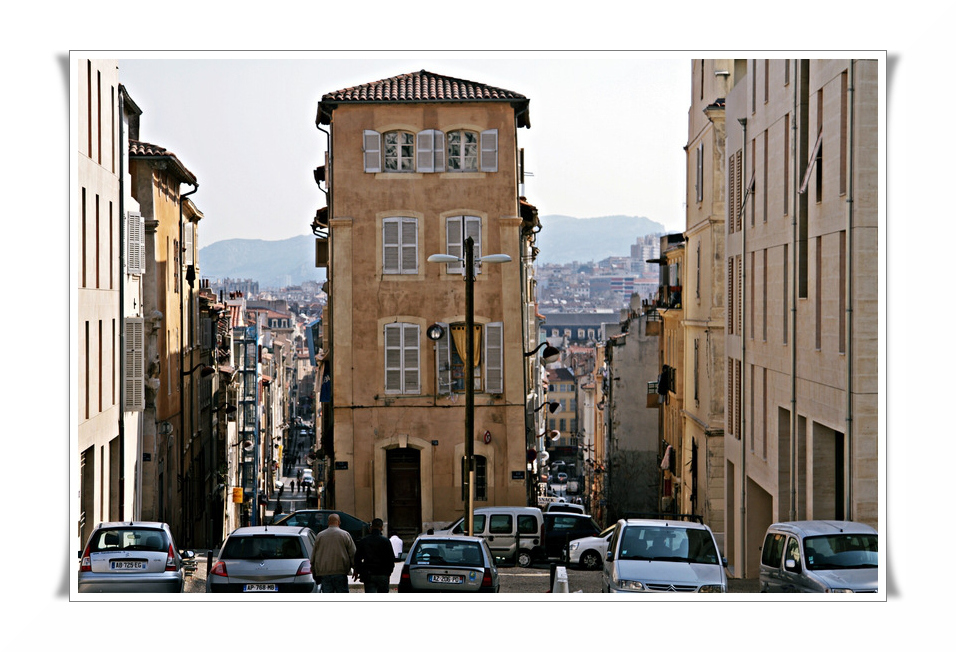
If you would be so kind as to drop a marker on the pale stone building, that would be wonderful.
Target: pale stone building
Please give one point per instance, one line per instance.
(418, 163)
(801, 434)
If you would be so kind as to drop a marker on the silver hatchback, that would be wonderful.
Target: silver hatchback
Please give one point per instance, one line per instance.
(264, 559)
(130, 557)
(449, 564)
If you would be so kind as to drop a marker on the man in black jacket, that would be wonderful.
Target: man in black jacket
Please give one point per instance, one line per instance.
(374, 560)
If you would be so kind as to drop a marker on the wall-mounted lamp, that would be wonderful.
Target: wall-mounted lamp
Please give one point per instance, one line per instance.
(552, 407)
(549, 355)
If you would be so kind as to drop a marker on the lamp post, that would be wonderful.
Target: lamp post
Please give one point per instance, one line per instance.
(469, 273)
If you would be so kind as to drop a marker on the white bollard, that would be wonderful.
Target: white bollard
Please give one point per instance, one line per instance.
(560, 580)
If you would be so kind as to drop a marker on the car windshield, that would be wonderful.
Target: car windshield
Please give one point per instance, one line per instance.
(841, 551)
(465, 553)
(266, 546)
(129, 539)
(660, 543)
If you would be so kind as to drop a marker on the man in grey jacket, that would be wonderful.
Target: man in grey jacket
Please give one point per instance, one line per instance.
(332, 557)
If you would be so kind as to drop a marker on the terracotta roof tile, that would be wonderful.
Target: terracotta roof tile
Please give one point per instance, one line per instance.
(141, 149)
(421, 86)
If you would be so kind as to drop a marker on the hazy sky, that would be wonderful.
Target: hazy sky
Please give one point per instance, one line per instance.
(606, 137)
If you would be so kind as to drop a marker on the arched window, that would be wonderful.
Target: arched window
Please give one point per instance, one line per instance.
(399, 151)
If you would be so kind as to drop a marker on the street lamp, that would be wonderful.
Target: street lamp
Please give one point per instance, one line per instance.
(549, 355)
(469, 273)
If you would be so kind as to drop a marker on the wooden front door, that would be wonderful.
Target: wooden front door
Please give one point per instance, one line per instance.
(404, 491)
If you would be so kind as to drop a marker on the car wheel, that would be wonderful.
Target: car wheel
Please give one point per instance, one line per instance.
(590, 560)
(524, 558)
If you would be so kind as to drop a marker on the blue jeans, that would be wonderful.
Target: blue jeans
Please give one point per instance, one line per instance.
(334, 583)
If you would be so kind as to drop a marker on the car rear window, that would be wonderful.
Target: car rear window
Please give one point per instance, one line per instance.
(129, 538)
(265, 546)
(448, 552)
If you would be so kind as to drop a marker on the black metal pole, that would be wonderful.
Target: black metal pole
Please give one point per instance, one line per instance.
(470, 381)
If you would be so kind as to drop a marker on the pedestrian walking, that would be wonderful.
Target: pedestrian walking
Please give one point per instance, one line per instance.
(333, 555)
(374, 560)
(292, 485)
(281, 487)
(397, 545)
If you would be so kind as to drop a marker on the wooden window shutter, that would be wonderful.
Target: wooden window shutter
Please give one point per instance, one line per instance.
(135, 239)
(411, 371)
(372, 149)
(393, 358)
(454, 244)
(134, 373)
(409, 245)
(489, 150)
(425, 151)
(473, 229)
(391, 245)
(494, 358)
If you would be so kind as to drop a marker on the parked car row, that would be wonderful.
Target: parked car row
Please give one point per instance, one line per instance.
(131, 557)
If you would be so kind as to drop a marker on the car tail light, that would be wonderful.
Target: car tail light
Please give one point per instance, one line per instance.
(405, 580)
(85, 566)
(170, 558)
(305, 568)
(486, 580)
(219, 568)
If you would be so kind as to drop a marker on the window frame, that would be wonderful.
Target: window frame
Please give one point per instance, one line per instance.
(398, 157)
(399, 245)
(409, 340)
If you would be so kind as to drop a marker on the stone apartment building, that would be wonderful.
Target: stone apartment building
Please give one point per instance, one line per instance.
(105, 458)
(802, 349)
(416, 164)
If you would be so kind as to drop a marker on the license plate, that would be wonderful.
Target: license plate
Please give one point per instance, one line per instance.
(127, 565)
(446, 579)
(251, 588)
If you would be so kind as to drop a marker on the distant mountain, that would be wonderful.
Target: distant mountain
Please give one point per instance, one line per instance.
(273, 263)
(564, 239)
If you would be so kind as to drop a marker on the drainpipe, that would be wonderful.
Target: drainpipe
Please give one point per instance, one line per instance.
(848, 463)
(182, 377)
(793, 296)
(122, 322)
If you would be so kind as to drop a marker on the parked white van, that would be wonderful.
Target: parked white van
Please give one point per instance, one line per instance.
(819, 557)
(504, 527)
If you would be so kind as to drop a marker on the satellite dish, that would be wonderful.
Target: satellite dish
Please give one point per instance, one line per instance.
(247, 445)
(555, 435)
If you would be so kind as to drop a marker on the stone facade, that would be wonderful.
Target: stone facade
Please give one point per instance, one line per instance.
(802, 345)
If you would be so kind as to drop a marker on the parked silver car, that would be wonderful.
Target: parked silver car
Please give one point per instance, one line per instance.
(130, 557)
(647, 555)
(264, 559)
(449, 563)
(820, 557)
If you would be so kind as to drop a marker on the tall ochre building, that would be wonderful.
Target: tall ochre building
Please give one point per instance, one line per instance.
(415, 165)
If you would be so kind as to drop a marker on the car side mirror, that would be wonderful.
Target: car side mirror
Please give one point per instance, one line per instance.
(791, 565)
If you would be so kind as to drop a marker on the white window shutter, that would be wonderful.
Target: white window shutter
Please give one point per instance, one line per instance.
(372, 147)
(393, 358)
(473, 229)
(135, 399)
(425, 151)
(409, 245)
(411, 371)
(188, 232)
(439, 151)
(489, 150)
(135, 237)
(454, 244)
(443, 362)
(391, 263)
(494, 358)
